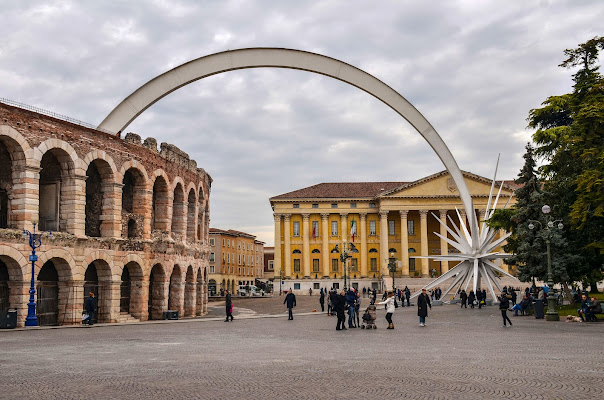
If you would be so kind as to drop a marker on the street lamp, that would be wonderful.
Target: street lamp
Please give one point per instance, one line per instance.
(552, 312)
(344, 256)
(392, 268)
(35, 241)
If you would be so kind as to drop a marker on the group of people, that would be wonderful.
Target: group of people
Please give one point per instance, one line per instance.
(473, 299)
(589, 308)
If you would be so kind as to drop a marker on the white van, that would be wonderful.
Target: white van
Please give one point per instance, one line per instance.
(250, 290)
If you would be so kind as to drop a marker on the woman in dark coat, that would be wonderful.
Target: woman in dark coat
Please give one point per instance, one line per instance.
(423, 302)
(504, 304)
(322, 301)
(471, 298)
(229, 306)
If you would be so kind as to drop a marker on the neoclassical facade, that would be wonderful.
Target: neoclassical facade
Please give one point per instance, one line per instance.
(380, 219)
(129, 222)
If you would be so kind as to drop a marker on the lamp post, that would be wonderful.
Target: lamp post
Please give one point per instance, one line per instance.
(344, 256)
(552, 312)
(392, 268)
(35, 241)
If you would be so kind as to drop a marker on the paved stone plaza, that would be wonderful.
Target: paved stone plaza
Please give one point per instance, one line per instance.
(461, 354)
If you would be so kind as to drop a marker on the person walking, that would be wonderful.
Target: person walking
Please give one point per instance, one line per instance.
(389, 302)
(374, 296)
(339, 305)
(322, 301)
(471, 298)
(310, 291)
(504, 304)
(330, 302)
(89, 306)
(229, 306)
(463, 296)
(423, 302)
(350, 303)
(290, 299)
(407, 296)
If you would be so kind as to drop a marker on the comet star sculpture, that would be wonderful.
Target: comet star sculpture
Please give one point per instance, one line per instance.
(476, 257)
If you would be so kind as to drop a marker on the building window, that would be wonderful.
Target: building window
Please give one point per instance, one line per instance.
(229, 258)
(334, 265)
(222, 242)
(296, 286)
(315, 205)
(391, 228)
(212, 242)
(315, 265)
(296, 205)
(316, 286)
(211, 257)
(334, 228)
(228, 242)
(270, 265)
(239, 258)
(315, 229)
(211, 269)
(353, 205)
(373, 264)
(334, 205)
(411, 260)
(297, 265)
(372, 229)
(371, 205)
(296, 228)
(239, 271)
(354, 265)
(411, 227)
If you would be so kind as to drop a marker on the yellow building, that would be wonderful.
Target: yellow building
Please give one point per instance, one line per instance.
(236, 258)
(380, 219)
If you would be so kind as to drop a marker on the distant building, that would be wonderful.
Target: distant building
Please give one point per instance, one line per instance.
(269, 260)
(381, 219)
(236, 258)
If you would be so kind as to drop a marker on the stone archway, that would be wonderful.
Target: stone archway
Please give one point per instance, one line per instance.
(145, 96)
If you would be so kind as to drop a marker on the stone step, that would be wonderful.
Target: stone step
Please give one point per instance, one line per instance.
(125, 317)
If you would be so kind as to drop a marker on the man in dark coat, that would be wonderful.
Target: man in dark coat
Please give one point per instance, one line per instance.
(229, 306)
(89, 309)
(374, 296)
(322, 301)
(339, 306)
(463, 296)
(290, 299)
(479, 298)
(423, 302)
(407, 295)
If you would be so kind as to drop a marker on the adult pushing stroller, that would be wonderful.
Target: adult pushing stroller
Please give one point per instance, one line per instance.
(369, 318)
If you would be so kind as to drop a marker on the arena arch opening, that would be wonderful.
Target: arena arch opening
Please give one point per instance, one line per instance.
(145, 96)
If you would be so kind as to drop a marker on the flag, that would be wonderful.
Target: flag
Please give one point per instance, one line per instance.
(353, 229)
(314, 229)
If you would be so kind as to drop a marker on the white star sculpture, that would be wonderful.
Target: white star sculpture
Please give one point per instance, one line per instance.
(476, 257)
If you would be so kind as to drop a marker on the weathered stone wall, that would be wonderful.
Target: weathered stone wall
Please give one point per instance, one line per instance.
(91, 167)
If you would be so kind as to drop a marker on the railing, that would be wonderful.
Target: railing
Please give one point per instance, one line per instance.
(53, 114)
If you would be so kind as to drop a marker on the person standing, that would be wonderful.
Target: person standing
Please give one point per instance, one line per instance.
(89, 305)
(389, 302)
(463, 296)
(229, 306)
(290, 299)
(504, 304)
(364, 291)
(310, 291)
(357, 308)
(322, 301)
(471, 298)
(374, 296)
(339, 305)
(350, 302)
(407, 295)
(423, 302)
(330, 304)
(484, 297)
(479, 298)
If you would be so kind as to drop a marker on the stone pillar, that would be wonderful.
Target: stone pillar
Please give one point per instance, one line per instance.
(344, 225)
(287, 251)
(111, 301)
(111, 214)
(146, 210)
(444, 248)
(18, 298)
(363, 249)
(404, 242)
(205, 298)
(305, 246)
(73, 202)
(325, 243)
(25, 197)
(190, 299)
(277, 263)
(464, 219)
(71, 301)
(384, 243)
(139, 298)
(423, 214)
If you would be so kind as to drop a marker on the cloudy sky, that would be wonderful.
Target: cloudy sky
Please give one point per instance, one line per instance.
(473, 68)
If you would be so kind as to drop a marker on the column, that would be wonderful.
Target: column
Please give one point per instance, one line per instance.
(463, 218)
(305, 246)
(344, 225)
(481, 215)
(287, 252)
(74, 199)
(111, 213)
(25, 202)
(404, 242)
(384, 243)
(277, 263)
(444, 249)
(325, 244)
(423, 214)
(363, 249)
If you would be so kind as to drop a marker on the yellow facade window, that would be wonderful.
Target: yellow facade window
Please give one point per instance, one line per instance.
(297, 265)
(315, 265)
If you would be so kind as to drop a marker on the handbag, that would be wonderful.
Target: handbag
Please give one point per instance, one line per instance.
(231, 309)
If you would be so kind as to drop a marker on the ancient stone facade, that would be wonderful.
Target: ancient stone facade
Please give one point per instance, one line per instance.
(129, 223)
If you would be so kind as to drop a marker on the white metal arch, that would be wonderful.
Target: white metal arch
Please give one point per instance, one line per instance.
(164, 84)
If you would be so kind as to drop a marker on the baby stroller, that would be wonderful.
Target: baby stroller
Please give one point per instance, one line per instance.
(369, 318)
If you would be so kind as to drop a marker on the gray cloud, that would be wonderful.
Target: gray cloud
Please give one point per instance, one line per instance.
(474, 69)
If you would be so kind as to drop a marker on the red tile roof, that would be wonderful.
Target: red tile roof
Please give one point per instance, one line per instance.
(340, 190)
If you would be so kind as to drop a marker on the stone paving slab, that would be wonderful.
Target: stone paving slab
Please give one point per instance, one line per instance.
(461, 354)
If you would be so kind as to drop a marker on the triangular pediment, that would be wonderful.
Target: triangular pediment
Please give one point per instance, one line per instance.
(441, 184)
